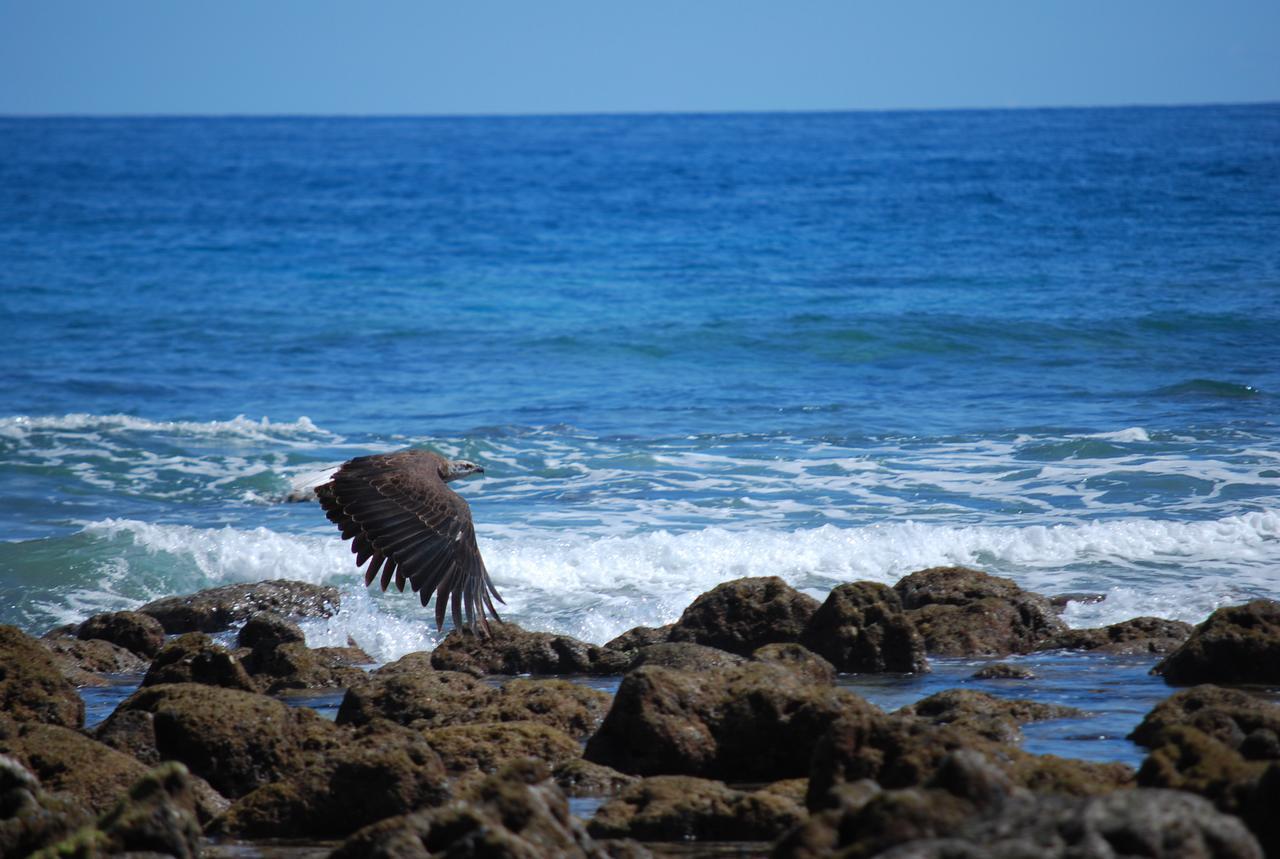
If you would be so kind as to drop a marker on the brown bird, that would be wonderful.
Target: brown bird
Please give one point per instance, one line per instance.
(401, 518)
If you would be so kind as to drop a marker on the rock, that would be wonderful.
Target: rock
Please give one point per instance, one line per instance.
(131, 732)
(1003, 671)
(683, 808)
(745, 614)
(485, 747)
(82, 662)
(861, 627)
(578, 777)
(134, 631)
(684, 656)
(1139, 635)
(639, 636)
(1236, 644)
(1070, 777)
(31, 817)
(1149, 823)
(158, 816)
(986, 715)
(797, 659)
(513, 650)
(195, 658)
(237, 741)
(517, 813)
(69, 762)
(351, 655)
(32, 688)
(569, 707)
(293, 665)
(376, 773)
(435, 698)
(1059, 601)
(963, 612)
(754, 722)
(266, 630)
(1243, 722)
(220, 608)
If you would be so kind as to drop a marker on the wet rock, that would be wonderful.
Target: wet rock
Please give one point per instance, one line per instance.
(683, 808)
(157, 817)
(351, 655)
(578, 777)
(1059, 601)
(1004, 671)
(512, 650)
(134, 631)
(83, 662)
(1139, 635)
(195, 658)
(292, 665)
(684, 656)
(754, 722)
(266, 630)
(30, 816)
(640, 636)
(797, 659)
(1150, 823)
(518, 813)
(1236, 644)
(745, 614)
(131, 732)
(220, 608)
(963, 612)
(32, 687)
(1243, 722)
(67, 761)
(1070, 777)
(406, 696)
(485, 747)
(569, 707)
(376, 773)
(986, 715)
(861, 627)
(235, 740)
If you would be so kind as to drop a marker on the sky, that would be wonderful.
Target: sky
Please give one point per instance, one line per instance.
(601, 56)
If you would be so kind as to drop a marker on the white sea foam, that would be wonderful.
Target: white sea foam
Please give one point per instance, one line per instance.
(1130, 434)
(596, 587)
(19, 427)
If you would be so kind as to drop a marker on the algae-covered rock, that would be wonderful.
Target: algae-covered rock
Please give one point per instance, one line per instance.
(684, 808)
(861, 627)
(195, 658)
(684, 656)
(1236, 644)
(221, 608)
(745, 614)
(134, 631)
(1138, 635)
(30, 816)
(487, 746)
(509, 649)
(32, 687)
(69, 762)
(995, 718)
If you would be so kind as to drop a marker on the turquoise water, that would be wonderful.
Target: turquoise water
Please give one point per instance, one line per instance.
(685, 349)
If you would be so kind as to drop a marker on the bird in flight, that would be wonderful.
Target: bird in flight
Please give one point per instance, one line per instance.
(409, 526)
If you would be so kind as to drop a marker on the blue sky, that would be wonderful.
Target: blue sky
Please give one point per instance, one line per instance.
(575, 56)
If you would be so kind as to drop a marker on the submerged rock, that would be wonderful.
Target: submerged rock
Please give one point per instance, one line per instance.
(1138, 635)
(1236, 644)
(220, 608)
(134, 631)
(32, 686)
(745, 614)
(963, 612)
(861, 627)
(684, 808)
(986, 715)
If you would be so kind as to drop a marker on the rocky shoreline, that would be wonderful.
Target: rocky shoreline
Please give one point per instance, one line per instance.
(728, 734)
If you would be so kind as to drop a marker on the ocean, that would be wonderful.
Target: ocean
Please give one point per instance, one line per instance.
(685, 348)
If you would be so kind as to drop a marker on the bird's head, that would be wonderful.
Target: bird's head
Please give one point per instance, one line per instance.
(458, 468)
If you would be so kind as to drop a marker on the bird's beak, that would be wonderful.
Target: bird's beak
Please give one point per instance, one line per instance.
(479, 470)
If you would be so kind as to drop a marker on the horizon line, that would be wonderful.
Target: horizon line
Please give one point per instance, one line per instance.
(636, 113)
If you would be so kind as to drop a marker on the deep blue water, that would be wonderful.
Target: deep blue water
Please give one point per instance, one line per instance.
(685, 348)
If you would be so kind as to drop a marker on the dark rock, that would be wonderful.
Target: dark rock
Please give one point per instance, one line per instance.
(1150, 823)
(1230, 716)
(1059, 601)
(82, 662)
(1236, 644)
(266, 630)
(745, 614)
(578, 777)
(69, 762)
(684, 656)
(986, 715)
(31, 817)
(1004, 671)
(351, 655)
(32, 687)
(377, 773)
(797, 659)
(517, 813)
(134, 631)
(195, 658)
(639, 636)
(861, 627)
(235, 740)
(1070, 777)
(487, 746)
(568, 707)
(754, 722)
(131, 732)
(295, 666)
(963, 612)
(406, 696)
(1139, 635)
(158, 816)
(683, 808)
(512, 650)
(220, 608)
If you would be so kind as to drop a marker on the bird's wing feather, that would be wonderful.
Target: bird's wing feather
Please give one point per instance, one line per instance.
(398, 513)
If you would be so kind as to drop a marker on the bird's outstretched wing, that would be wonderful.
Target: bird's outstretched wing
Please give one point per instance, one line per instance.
(402, 518)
